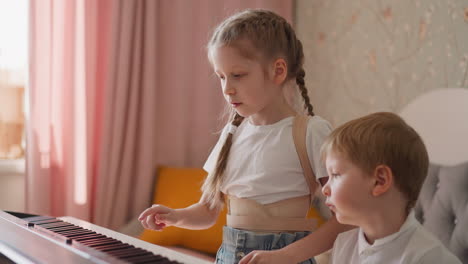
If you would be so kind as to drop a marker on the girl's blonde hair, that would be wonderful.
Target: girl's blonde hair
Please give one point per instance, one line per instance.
(383, 138)
(264, 36)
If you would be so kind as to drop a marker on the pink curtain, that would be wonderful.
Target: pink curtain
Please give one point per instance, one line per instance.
(118, 88)
(66, 86)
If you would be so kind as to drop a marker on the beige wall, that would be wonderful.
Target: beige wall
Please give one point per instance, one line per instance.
(364, 56)
(12, 191)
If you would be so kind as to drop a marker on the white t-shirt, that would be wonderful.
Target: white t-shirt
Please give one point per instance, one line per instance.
(412, 244)
(263, 164)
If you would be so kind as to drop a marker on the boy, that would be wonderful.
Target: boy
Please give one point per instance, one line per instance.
(377, 165)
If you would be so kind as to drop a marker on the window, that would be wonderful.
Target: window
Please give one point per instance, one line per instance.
(13, 76)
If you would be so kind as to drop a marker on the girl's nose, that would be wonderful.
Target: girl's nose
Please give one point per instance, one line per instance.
(228, 89)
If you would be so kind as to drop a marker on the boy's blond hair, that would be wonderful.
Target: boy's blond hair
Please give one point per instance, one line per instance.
(383, 139)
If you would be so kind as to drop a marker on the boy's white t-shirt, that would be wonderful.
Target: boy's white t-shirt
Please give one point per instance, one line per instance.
(263, 164)
(412, 244)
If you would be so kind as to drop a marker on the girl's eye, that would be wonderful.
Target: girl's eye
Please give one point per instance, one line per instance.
(234, 75)
(334, 175)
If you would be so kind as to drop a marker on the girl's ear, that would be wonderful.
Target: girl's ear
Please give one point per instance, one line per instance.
(280, 71)
(383, 180)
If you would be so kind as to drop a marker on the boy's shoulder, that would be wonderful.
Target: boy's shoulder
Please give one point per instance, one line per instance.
(348, 238)
(430, 249)
(345, 246)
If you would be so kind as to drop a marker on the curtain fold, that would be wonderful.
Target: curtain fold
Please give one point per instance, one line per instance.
(126, 158)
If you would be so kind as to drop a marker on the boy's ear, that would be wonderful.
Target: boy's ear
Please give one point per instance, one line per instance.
(280, 71)
(383, 180)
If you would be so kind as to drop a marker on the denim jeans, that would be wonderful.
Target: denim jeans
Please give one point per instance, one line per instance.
(237, 243)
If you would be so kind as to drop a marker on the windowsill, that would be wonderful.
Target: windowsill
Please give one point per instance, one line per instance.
(8, 167)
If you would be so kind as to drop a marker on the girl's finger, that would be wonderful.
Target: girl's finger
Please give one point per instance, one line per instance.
(246, 259)
(145, 213)
(150, 222)
(143, 223)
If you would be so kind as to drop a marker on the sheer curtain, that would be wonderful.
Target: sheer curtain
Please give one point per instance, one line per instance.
(66, 98)
(117, 88)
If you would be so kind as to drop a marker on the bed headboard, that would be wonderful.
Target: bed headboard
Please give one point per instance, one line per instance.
(441, 118)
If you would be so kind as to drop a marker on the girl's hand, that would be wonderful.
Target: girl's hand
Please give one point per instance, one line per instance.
(158, 217)
(266, 257)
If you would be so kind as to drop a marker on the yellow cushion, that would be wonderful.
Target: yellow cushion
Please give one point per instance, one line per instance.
(313, 213)
(178, 188)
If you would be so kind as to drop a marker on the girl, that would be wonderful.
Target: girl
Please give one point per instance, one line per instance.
(254, 167)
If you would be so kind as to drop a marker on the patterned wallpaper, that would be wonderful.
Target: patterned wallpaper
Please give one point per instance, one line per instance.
(364, 56)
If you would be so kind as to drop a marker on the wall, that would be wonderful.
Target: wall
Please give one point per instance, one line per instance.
(12, 185)
(377, 55)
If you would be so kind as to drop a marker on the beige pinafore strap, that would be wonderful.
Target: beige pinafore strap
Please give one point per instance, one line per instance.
(299, 136)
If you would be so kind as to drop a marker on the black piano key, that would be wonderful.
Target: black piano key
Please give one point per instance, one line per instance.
(44, 222)
(96, 239)
(66, 228)
(72, 235)
(132, 253)
(152, 261)
(86, 237)
(116, 247)
(38, 218)
(102, 243)
(117, 252)
(65, 231)
(58, 227)
(105, 242)
(140, 258)
(162, 261)
(147, 259)
(111, 247)
(55, 224)
(82, 230)
(136, 252)
(69, 232)
(108, 243)
(157, 260)
(50, 221)
(126, 252)
(90, 235)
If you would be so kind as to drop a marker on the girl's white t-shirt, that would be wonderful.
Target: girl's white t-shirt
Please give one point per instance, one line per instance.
(263, 164)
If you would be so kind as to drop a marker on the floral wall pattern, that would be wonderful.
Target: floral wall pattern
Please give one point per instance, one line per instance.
(364, 56)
